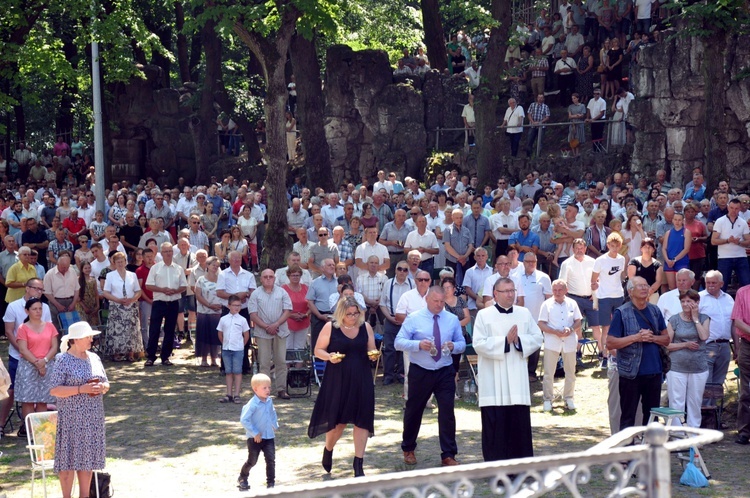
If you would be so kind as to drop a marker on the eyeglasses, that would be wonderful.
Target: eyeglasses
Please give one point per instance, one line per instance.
(402, 269)
(322, 234)
(268, 276)
(352, 315)
(414, 214)
(423, 279)
(40, 289)
(509, 291)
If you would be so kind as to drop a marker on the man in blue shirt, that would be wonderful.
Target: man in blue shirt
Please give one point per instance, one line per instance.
(524, 240)
(430, 336)
(637, 331)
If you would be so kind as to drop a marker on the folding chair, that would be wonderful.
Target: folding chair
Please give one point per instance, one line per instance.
(670, 415)
(712, 407)
(471, 357)
(41, 431)
(377, 362)
(298, 383)
(66, 319)
(319, 369)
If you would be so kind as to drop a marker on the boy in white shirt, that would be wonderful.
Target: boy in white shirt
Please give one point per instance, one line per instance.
(234, 332)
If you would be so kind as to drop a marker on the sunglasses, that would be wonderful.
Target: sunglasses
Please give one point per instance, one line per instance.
(402, 269)
(423, 279)
(323, 234)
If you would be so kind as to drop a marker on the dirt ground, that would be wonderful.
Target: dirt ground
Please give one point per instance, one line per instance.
(167, 435)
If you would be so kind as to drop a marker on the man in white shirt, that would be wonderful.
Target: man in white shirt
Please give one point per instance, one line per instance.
(473, 74)
(240, 282)
(596, 113)
(303, 247)
(293, 259)
(576, 272)
(394, 288)
(423, 241)
(434, 216)
(669, 302)
(537, 287)
(513, 124)
(371, 247)
(382, 183)
(167, 281)
(732, 236)
(643, 15)
(718, 305)
(332, 211)
(474, 280)
(469, 120)
(560, 320)
(502, 270)
(186, 203)
(574, 41)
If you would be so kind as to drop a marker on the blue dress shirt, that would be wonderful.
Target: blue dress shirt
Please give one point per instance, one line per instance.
(259, 417)
(418, 326)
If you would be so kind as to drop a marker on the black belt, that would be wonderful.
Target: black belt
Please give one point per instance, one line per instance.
(719, 341)
(323, 312)
(396, 252)
(71, 297)
(580, 297)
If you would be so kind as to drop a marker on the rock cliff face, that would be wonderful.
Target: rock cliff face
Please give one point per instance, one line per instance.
(150, 134)
(693, 109)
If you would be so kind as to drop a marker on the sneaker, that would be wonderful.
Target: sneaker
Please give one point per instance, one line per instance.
(547, 406)
(242, 484)
(569, 403)
(603, 364)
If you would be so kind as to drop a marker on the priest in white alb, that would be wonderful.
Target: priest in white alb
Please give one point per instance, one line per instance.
(504, 337)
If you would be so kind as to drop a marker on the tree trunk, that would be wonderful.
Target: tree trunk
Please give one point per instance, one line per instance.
(221, 96)
(486, 100)
(196, 50)
(182, 47)
(272, 52)
(715, 84)
(64, 119)
(433, 35)
(310, 112)
(203, 124)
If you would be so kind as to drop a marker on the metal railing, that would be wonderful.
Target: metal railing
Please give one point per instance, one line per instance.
(640, 470)
(602, 147)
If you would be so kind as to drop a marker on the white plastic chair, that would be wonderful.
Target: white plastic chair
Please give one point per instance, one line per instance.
(41, 431)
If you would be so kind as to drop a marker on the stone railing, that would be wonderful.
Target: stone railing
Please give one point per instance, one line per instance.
(615, 469)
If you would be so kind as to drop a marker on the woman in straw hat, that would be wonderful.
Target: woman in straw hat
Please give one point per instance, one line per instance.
(79, 381)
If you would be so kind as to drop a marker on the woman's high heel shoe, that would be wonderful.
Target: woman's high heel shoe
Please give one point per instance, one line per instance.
(358, 462)
(327, 459)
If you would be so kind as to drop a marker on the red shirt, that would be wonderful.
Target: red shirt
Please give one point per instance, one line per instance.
(697, 229)
(142, 273)
(741, 309)
(73, 227)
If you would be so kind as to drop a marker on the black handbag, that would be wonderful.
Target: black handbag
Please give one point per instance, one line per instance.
(105, 485)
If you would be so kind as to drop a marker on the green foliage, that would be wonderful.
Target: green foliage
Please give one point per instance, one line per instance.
(437, 163)
(705, 19)
(389, 25)
(465, 15)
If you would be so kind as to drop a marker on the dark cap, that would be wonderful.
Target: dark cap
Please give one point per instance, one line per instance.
(572, 204)
(592, 185)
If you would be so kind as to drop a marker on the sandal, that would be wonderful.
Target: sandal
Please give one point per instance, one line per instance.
(237, 400)
(226, 399)
(149, 363)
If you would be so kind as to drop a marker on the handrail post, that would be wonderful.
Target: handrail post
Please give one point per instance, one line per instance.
(539, 135)
(659, 485)
(437, 138)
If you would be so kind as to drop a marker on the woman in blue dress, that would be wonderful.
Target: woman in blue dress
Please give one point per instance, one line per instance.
(675, 249)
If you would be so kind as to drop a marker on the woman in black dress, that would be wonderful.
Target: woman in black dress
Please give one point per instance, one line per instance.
(647, 267)
(347, 395)
(614, 67)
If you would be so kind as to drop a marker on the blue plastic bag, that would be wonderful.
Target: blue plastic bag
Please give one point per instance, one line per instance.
(692, 476)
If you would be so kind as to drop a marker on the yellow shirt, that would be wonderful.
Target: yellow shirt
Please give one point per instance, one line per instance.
(18, 273)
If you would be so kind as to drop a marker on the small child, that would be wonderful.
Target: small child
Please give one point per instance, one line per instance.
(616, 225)
(234, 332)
(260, 421)
(558, 225)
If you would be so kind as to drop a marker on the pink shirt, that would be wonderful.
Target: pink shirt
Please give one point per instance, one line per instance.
(741, 309)
(38, 343)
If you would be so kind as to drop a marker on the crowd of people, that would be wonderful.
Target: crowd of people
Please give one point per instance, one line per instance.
(511, 268)
(581, 56)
